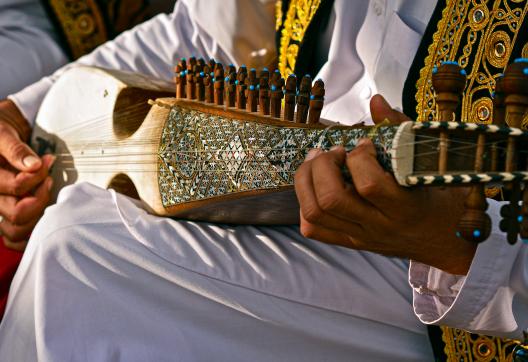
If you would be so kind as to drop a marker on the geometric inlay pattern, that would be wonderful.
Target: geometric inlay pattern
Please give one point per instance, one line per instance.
(203, 156)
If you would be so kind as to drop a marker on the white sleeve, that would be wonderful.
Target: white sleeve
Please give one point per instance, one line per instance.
(492, 299)
(154, 47)
(28, 45)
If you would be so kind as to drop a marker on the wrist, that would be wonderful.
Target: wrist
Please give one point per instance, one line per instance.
(11, 115)
(456, 259)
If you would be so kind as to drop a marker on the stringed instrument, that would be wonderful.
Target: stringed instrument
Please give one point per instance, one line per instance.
(226, 148)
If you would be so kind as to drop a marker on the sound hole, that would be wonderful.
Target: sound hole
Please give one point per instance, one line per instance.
(124, 185)
(130, 110)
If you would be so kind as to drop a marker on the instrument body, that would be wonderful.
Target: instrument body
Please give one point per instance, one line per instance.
(188, 159)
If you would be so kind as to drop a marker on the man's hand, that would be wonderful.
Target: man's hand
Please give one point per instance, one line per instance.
(374, 213)
(24, 181)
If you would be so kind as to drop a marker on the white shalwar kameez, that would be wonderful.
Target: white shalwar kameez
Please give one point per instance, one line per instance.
(103, 280)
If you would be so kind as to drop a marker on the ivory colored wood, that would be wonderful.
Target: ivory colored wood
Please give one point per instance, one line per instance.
(89, 117)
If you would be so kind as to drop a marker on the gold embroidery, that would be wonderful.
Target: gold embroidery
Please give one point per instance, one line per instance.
(298, 18)
(463, 346)
(82, 24)
(479, 35)
(278, 15)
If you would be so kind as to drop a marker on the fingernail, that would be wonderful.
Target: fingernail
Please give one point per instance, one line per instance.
(313, 153)
(49, 184)
(30, 161)
(333, 148)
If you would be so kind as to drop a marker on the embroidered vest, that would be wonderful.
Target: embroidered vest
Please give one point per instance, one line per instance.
(83, 25)
(483, 37)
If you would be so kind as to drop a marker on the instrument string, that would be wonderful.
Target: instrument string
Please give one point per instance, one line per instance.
(95, 151)
(464, 145)
(103, 119)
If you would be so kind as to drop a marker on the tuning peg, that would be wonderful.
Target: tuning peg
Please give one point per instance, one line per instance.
(200, 87)
(241, 87)
(181, 80)
(208, 81)
(264, 96)
(303, 99)
(449, 81)
(515, 85)
(289, 97)
(252, 92)
(219, 84)
(277, 83)
(475, 223)
(230, 88)
(316, 101)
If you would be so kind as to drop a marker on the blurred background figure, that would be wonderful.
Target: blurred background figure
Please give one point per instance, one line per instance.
(29, 44)
(37, 37)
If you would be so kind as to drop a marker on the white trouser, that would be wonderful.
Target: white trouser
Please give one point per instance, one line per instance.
(102, 280)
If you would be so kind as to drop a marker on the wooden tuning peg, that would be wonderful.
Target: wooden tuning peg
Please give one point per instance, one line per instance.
(449, 81)
(475, 223)
(177, 80)
(303, 99)
(230, 88)
(515, 88)
(241, 87)
(208, 81)
(181, 81)
(289, 97)
(264, 96)
(316, 101)
(191, 79)
(277, 84)
(252, 92)
(219, 85)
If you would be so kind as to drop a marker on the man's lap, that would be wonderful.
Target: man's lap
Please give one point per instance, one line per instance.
(116, 277)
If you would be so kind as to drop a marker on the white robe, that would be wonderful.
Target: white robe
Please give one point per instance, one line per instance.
(103, 280)
(29, 46)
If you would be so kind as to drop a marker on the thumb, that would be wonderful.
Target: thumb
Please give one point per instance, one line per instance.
(17, 153)
(381, 110)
